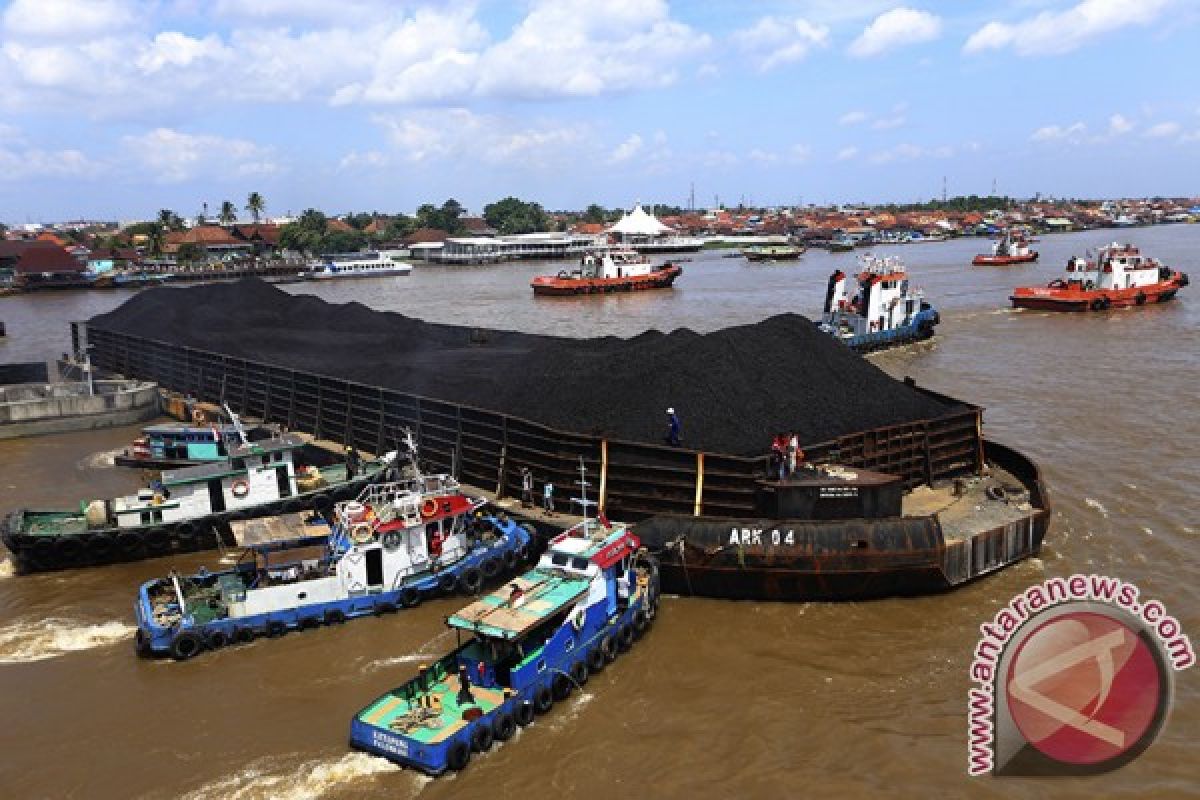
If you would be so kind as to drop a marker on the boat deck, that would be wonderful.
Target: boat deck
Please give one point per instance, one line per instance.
(53, 523)
(283, 528)
(974, 511)
(541, 594)
(430, 716)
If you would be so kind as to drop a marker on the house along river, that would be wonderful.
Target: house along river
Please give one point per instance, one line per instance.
(726, 699)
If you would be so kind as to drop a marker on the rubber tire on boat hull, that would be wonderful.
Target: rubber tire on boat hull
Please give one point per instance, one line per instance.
(579, 673)
(640, 622)
(504, 727)
(596, 661)
(471, 580)
(70, 549)
(524, 714)
(100, 546)
(458, 756)
(130, 545)
(334, 617)
(141, 644)
(243, 635)
(490, 567)
(157, 540)
(276, 628)
(1100, 304)
(560, 687)
(410, 597)
(447, 582)
(185, 645)
(543, 700)
(625, 637)
(482, 738)
(216, 640)
(609, 647)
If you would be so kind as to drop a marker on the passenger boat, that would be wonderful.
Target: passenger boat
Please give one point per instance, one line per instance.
(773, 253)
(395, 545)
(832, 533)
(520, 650)
(370, 264)
(1118, 277)
(882, 311)
(1008, 249)
(608, 271)
(185, 510)
(175, 445)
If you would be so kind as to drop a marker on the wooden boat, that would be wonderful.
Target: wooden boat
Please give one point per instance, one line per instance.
(607, 272)
(838, 534)
(773, 253)
(1119, 277)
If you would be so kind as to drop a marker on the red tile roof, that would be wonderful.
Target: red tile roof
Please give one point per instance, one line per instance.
(426, 235)
(44, 257)
(209, 235)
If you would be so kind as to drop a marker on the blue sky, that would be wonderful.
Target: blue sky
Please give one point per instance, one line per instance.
(115, 108)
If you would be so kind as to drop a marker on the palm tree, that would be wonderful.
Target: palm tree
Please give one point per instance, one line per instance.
(255, 205)
(228, 213)
(156, 236)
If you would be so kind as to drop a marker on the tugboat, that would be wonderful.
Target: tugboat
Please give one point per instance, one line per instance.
(184, 510)
(394, 546)
(610, 271)
(1119, 277)
(529, 645)
(176, 445)
(884, 311)
(1008, 249)
(773, 253)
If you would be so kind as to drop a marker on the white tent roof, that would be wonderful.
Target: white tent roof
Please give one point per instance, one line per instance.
(639, 223)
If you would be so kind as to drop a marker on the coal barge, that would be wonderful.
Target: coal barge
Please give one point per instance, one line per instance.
(899, 518)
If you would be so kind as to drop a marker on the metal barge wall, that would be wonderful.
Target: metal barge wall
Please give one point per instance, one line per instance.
(632, 480)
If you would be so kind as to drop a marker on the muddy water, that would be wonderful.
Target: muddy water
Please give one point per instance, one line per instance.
(722, 699)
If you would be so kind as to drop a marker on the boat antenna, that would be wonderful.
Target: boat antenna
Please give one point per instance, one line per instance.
(410, 442)
(237, 424)
(583, 498)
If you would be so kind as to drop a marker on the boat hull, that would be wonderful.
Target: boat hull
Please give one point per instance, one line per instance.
(850, 559)
(1072, 299)
(1003, 261)
(557, 287)
(111, 545)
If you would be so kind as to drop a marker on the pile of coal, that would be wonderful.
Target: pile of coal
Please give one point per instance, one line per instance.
(733, 389)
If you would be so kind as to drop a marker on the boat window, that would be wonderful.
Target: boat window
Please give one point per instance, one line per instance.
(559, 559)
(157, 516)
(580, 564)
(145, 517)
(239, 463)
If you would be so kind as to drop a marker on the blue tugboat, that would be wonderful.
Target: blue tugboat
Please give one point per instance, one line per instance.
(882, 310)
(521, 649)
(175, 445)
(397, 544)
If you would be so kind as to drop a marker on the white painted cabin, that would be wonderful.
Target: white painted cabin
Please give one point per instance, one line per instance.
(1116, 267)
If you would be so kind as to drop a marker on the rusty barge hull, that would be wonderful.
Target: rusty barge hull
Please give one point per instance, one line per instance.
(853, 559)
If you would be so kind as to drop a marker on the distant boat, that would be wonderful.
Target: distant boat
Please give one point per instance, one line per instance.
(1008, 250)
(841, 245)
(773, 253)
(371, 264)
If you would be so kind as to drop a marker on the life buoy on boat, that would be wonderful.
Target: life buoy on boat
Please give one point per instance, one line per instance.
(240, 488)
(362, 532)
(197, 416)
(429, 507)
(578, 619)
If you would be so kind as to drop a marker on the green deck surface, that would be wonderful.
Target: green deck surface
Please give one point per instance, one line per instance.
(432, 716)
(52, 523)
(544, 594)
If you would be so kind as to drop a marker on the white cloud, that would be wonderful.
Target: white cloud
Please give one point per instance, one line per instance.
(887, 123)
(899, 27)
(1163, 130)
(799, 153)
(1056, 32)
(626, 149)
(772, 41)
(370, 159)
(853, 117)
(763, 156)
(172, 156)
(1055, 132)
(459, 134)
(1118, 125)
(75, 19)
(847, 153)
(174, 49)
(910, 152)
(25, 163)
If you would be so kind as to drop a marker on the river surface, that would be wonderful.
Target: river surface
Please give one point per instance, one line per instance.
(721, 699)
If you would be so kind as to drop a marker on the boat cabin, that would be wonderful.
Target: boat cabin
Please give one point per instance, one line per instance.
(614, 264)
(254, 473)
(879, 298)
(192, 442)
(1116, 266)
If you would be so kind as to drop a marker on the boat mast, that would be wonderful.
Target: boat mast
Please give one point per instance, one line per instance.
(583, 498)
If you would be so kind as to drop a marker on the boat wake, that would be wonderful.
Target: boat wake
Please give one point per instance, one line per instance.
(1096, 505)
(7, 568)
(24, 641)
(304, 781)
(101, 460)
(425, 653)
(561, 718)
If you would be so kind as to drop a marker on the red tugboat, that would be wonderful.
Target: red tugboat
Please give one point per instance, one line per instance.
(1119, 277)
(1008, 250)
(611, 271)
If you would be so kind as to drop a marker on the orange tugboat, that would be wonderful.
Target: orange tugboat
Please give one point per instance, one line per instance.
(1119, 277)
(1009, 250)
(611, 271)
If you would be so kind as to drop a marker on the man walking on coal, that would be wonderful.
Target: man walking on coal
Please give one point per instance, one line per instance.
(548, 498)
(352, 462)
(526, 488)
(674, 429)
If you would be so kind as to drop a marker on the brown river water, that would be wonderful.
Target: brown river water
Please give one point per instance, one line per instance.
(720, 699)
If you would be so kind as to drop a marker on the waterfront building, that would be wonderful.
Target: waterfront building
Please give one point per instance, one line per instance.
(644, 232)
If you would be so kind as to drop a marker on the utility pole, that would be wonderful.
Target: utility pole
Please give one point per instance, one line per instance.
(692, 197)
(943, 190)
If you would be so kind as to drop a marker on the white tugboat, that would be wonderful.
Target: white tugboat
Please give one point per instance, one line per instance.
(878, 307)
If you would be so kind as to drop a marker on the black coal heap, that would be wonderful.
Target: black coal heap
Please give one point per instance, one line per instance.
(733, 389)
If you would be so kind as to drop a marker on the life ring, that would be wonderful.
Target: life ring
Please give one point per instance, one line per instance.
(429, 507)
(240, 488)
(391, 540)
(362, 532)
(197, 416)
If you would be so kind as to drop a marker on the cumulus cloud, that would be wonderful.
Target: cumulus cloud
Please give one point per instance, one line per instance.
(626, 149)
(25, 163)
(1051, 133)
(1163, 130)
(67, 18)
(847, 153)
(172, 156)
(1055, 32)
(1118, 124)
(462, 134)
(853, 117)
(899, 27)
(773, 41)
